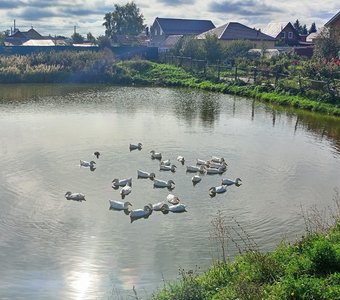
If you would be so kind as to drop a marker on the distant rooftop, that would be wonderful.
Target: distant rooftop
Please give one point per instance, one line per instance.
(273, 29)
(184, 26)
(236, 31)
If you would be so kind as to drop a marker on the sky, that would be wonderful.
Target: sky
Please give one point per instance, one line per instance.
(59, 17)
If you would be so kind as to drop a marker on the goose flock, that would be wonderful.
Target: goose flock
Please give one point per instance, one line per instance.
(215, 165)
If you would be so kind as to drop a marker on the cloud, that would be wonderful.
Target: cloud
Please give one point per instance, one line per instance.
(243, 8)
(4, 4)
(35, 14)
(176, 2)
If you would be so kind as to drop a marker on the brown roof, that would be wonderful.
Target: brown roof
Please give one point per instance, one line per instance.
(236, 31)
(329, 23)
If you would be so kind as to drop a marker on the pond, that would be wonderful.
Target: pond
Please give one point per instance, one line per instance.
(59, 249)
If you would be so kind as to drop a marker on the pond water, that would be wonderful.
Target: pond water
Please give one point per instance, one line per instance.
(59, 249)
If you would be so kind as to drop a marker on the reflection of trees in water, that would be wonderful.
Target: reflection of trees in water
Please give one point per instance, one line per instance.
(321, 126)
(209, 109)
(190, 105)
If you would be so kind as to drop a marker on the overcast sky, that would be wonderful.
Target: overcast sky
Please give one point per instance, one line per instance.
(58, 17)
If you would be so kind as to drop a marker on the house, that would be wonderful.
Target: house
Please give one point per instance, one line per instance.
(28, 38)
(234, 31)
(283, 32)
(334, 27)
(162, 28)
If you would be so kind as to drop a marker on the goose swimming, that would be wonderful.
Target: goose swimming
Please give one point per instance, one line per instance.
(134, 146)
(126, 190)
(220, 170)
(162, 183)
(171, 168)
(155, 155)
(237, 181)
(217, 159)
(178, 208)
(158, 206)
(116, 183)
(196, 179)
(75, 196)
(87, 164)
(96, 154)
(181, 159)
(166, 162)
(172, 199)
(119, 205)
(217, 190)
(194, 169)
(202, 162)
(143, 174)
(218, 165)
(141, 213)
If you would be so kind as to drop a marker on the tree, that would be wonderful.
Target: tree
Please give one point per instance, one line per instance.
(212, 48)
(304, 29)
(312, 28)
(297, 26)
(77, 38)
(104, 41)
(124, 20)
(326, 46)
(91, 38)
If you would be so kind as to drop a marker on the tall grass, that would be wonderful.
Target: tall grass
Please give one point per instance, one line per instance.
(307, 269)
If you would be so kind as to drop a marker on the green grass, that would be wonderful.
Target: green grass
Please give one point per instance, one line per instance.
(308, 269)
(101, 67)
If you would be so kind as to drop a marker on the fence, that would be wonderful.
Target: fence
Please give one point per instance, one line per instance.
(291, 83)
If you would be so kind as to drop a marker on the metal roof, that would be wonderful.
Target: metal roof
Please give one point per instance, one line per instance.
(38, 43)
(184, 26)
(236, 31)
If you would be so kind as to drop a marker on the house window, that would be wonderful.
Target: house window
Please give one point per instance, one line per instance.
(283, 34)
(290, 35)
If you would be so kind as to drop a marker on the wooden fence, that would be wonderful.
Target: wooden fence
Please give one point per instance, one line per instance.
(293, 83)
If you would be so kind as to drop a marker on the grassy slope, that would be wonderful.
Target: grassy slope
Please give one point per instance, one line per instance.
(144, 72)
(309, 269)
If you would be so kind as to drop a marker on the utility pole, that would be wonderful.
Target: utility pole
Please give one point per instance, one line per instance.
(75, 29)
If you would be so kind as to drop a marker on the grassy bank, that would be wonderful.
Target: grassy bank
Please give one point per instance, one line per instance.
(101, 67)
(149, 73)
(306, 269)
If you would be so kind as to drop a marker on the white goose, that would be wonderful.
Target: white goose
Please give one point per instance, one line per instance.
(218, 165)
(178, 208)
(87, 164)
(75, 196)
(237, 181)
(126, 190)
(162, 183)
(158, 206)
(217, 159)
(123, 182)
(194, 169)
(202, 162)
(220, 170)
(172, 199)
(141, 213)
(171, 168)
(166, 162)
(119, 205)
(135, 146)
(155, 155)
(181, 159)
(217, 190)
(143, 174)
(196, 179)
